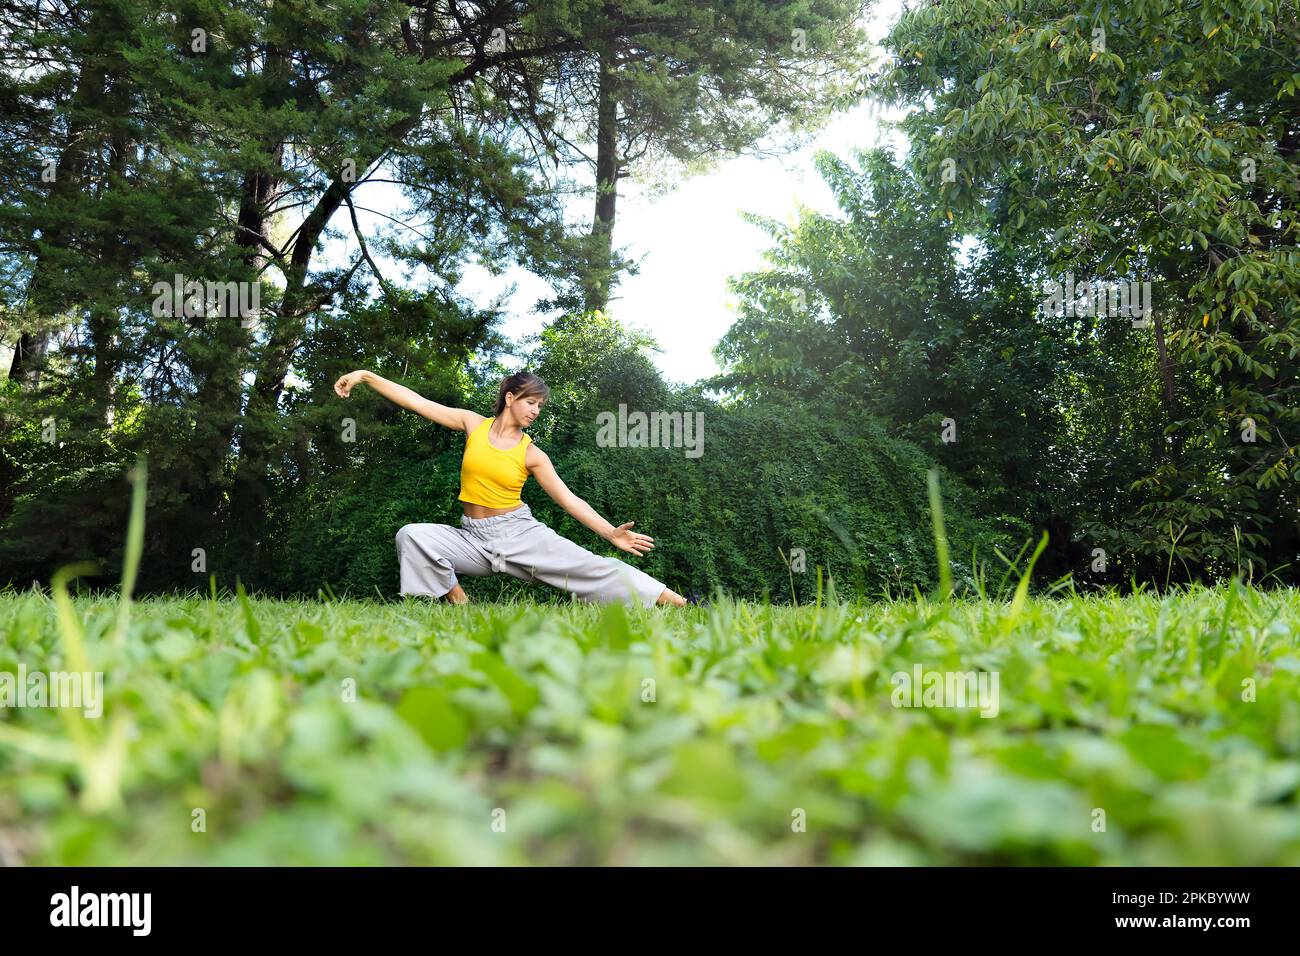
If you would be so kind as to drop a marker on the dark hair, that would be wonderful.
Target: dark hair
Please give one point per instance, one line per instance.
(520, 385)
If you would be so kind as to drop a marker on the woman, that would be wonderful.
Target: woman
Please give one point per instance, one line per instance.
(498, 531)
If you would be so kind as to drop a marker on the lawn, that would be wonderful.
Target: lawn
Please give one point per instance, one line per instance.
(1127, 730)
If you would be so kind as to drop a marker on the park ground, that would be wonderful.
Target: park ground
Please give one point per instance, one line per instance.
(1147, 729)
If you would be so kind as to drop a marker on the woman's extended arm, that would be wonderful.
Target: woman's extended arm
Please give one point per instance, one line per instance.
(622, 537)
(459, 419)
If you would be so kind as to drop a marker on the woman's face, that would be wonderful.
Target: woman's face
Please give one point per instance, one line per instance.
(526, 409)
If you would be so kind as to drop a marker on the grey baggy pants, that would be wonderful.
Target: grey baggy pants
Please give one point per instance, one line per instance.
(431, 556)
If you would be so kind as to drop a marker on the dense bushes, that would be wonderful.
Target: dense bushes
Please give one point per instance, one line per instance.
(771, 479)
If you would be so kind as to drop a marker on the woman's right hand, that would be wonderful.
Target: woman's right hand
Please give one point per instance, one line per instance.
(346, 382)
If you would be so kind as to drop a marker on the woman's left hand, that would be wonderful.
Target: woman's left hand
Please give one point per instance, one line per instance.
(633, 542)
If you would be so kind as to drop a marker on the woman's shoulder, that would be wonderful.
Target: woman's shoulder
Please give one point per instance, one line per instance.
(474, 421)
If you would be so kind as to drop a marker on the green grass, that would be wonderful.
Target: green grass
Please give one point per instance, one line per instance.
(1132, 706)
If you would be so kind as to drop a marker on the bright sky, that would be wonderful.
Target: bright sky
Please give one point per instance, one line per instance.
(688, 242)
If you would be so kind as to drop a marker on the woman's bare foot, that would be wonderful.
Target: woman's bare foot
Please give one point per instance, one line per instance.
(457, 595)
(671, 597)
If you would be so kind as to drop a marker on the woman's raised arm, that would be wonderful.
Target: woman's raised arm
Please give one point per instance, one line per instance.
(458, 419)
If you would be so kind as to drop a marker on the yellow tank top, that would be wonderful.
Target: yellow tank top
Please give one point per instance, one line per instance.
(489, 476)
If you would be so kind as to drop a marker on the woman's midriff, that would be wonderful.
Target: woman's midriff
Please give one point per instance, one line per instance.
(483, 511)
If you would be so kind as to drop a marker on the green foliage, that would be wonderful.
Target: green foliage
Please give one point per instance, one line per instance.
(876, 312)
(329, 733)
(1156, 143)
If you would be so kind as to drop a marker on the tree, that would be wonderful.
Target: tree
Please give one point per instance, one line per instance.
(1156, 145)
(675, 85)
(82, 120)
(244, 133)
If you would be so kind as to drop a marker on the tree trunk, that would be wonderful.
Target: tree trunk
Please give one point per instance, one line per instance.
(220, 393)
(219, 397)
(29, 357)
(249, 493)
(104, 320)
(597, 281)
(104, 324)
(1166, 365)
